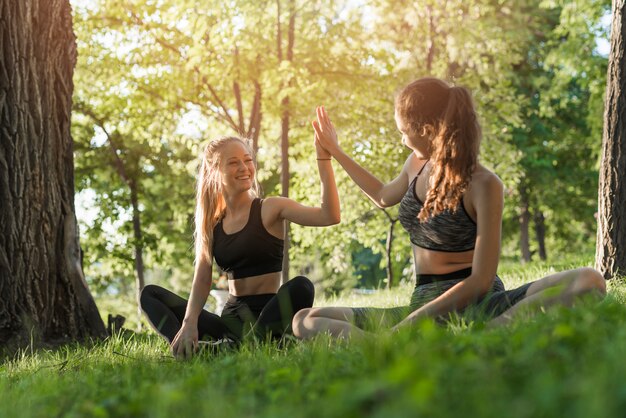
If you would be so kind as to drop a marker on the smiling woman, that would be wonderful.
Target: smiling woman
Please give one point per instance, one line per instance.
(244, 235)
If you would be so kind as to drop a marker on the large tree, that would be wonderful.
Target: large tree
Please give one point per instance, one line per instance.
(43, 293)
(611, 241)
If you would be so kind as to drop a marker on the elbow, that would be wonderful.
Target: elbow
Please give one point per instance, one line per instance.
(333, 219)
(329, 215)
(487, 287)
(382, 204)
(481, 287)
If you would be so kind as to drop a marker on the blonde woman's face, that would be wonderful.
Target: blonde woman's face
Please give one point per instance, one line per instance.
(236, 167)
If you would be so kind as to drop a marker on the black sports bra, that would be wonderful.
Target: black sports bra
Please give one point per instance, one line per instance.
(252, 251)
(450, 231)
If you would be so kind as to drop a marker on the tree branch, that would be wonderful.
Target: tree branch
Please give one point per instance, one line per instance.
(117, 161)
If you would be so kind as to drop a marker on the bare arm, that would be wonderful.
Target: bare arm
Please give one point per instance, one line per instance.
(488, 202)
(383, 195)
(328, 213)
(186, 341)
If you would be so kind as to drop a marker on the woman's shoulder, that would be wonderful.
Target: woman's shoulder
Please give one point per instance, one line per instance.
(486, 190)
(271, 201)
(485, 181)
(414, 165)
(272, 205)
(485, 176)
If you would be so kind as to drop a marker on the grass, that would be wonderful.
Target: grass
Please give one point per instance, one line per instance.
(567, 362)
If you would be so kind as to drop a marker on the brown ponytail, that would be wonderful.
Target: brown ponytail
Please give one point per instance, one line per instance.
(430, 105)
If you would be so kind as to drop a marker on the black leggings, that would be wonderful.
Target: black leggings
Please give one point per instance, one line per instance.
(266, 314)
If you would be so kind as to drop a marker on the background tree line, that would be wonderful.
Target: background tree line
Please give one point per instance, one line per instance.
(156, 80)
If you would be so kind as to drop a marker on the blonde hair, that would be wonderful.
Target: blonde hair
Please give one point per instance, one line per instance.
(210, 203)
(447, 115)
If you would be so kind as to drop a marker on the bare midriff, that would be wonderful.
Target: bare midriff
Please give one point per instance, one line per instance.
(441, 262)
(255, 285)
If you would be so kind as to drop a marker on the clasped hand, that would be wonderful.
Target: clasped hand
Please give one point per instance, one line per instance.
(326, 142)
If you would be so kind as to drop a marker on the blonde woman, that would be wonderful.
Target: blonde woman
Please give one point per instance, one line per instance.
(244, 235)
(451, 207)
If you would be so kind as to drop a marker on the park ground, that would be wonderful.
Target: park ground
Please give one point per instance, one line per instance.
(565, 362)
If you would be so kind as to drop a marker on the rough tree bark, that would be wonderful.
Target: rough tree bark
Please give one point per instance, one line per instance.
(611, 238)
(43, 293)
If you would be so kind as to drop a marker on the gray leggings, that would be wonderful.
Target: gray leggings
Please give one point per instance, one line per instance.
(431, 286)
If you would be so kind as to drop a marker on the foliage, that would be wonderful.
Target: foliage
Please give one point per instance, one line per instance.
(220, 64)
(165, 77)
(125, 143)
(559, 135)
(567, 361)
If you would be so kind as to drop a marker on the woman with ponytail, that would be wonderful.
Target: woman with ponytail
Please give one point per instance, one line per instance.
(244, 235)
(451, 206)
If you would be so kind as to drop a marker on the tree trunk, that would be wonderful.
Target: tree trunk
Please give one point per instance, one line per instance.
(524, 224)
(254, 127)
(611, 238)
(254, 122)
(431, 41)
(43, 293)
(388, 249)
(284, 179)
(540, 233)
(138, 237)
(284, 137)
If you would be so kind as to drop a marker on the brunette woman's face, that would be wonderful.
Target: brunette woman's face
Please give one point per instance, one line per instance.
(410, 139)
(402, 128)
(236, 167)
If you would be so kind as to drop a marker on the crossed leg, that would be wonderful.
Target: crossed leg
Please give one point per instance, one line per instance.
(563, 288)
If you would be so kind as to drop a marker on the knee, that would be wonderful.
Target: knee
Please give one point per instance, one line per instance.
(304, 282)
(590, 280)
(148, 292)
(297, 323)
(304, 285)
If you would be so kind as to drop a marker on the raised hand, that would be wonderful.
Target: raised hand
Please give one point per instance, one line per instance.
(320, 151)
(325, 133)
